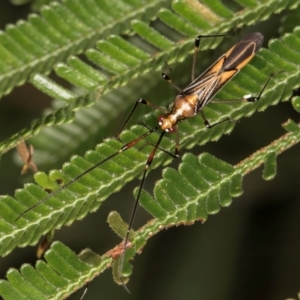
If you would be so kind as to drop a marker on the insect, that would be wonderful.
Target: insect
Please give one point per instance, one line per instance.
(26, 154)
(187, 104)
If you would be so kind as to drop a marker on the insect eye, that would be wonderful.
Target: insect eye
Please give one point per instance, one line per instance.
(161, 118)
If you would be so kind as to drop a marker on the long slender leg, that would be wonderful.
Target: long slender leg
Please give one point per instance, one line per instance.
(196, 48)
(61, 188)
(147, 165)
(139, 101)
(85, 291)
(208, 125)
(246, 98)
(166, 77)
(176, 155)
(177, 150)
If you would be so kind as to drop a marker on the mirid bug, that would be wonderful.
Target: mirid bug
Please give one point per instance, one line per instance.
(187, 104)
(26, 154)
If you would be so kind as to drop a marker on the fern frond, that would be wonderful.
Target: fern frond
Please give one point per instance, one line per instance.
(63, 29)
(124, 52)
(88, 193)
(204, 185)
(126, 64)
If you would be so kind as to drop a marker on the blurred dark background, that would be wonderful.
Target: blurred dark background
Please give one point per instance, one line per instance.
(247, 251)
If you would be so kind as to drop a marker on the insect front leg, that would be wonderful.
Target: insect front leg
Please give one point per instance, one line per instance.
(139, 101)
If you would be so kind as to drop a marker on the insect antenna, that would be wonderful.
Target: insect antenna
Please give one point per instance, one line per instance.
(63, 187)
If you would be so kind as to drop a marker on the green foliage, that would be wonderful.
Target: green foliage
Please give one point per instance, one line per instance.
(122, 43)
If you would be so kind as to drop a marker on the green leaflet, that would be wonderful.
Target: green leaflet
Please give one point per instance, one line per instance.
(63, 29)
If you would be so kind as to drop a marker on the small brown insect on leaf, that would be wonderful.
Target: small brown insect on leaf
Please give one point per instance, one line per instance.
(26, 154)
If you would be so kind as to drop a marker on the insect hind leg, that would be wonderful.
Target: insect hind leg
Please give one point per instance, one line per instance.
(246, 98)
